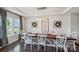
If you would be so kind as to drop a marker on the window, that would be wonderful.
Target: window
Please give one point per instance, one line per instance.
(0, 27)
(9, 26)
(16, 26)
(13, 26)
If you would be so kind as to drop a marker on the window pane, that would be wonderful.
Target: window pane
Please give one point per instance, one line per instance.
(16, 26)
(9, 26)
(0, 27)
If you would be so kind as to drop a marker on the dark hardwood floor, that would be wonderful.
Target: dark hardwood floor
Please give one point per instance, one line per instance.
(19, 47)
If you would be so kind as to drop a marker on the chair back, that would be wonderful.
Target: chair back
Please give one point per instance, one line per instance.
(74, 35)
(23, 35)
(61, 41)
(42, 38)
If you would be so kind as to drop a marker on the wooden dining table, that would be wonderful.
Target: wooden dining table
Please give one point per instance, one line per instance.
(51, 36)
(70, 38)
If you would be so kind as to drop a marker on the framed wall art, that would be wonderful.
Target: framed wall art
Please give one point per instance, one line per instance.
(34, 24)
(57, 24)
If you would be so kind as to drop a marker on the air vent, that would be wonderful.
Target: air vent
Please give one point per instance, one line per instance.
(42, 8)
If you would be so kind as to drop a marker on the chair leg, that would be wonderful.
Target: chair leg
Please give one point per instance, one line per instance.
(65, 49)
(31, 47)
(74, 46)
(44, 48)
(24, 46)
(56, 49)
(21, 40)
(38, 47)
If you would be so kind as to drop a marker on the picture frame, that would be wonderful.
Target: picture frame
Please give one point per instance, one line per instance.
(34, 24)
(57, 24)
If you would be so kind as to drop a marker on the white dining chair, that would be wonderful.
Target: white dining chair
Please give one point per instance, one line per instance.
(51, 43)
(28, 40)
(31, 39)
(34, 38)
(61, 43)
(42, 41)
(23, 36)
(72, 42)
(74, 35)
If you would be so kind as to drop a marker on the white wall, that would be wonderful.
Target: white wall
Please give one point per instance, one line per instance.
(74, 22)
(65, 24)
(30, 28)
(78, 23)
(24, 22)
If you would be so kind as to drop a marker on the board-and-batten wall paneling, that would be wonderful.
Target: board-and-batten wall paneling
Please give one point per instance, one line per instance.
(65, 29)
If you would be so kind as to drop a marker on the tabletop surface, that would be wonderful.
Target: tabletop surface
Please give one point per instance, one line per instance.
(50, 36)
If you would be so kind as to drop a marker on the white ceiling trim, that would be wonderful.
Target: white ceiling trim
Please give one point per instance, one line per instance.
(66, 10)
(22, 12)
(14, 10)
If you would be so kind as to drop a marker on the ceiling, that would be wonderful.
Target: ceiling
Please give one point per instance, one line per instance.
(33, 11)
